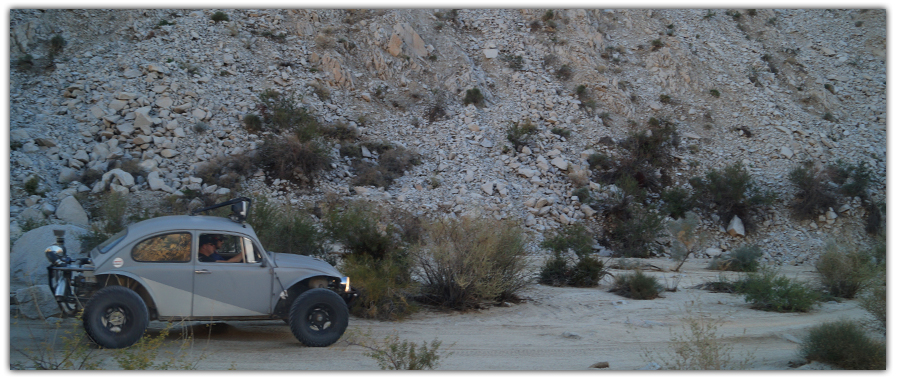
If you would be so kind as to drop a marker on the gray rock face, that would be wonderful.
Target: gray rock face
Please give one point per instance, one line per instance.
(28, 265)
(71, 211)
(37, 302)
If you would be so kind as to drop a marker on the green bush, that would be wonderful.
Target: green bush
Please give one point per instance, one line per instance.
(289, 158)
(570, 237)
(31, 185)
(687, 239)
(745, 258)
(280, 113)
(474, 96)
(564, 72)
(637, 285)
(555, 272)
(393, 354)
(253, 123)
(520, 134)
(678, 201)
(766, 290)
(391, 165)
(220, 16)
(284, 229)
(634, 233)
(733, 192)
(565, 133)
(813, 196)
(715, 93)
(57, 43)
(466, 261)
(844, 344)
(385, 289)
(852, 179)
(874, 300)
(357, 226)
(845, 271)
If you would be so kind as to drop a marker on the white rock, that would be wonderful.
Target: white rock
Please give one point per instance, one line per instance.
(787, 152)
(560, 163)
(488, 188)
(736, 227)
(713, 252)
(71, 211)
(168, 153)
(491, 53)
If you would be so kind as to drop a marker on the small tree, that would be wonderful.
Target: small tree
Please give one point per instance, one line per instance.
(685, 233)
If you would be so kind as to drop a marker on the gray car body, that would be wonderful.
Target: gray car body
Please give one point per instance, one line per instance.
(202, 290)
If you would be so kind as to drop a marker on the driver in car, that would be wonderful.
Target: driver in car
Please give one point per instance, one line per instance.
(207, 251)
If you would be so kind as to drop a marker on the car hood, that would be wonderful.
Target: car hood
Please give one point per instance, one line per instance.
(285, 261)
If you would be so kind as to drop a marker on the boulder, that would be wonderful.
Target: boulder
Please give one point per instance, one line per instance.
(27, 263)
(37, 302)
(71, 211)
(736, 227)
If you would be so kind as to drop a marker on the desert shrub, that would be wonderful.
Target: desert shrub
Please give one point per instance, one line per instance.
(587, 272)
(874, 300)
(283, 229)
(646, 156)
(665, 99)
(289, 158)
(391, 353)
(634, 233)
(561, 132)
(584, 195)
(700, 347)
(813, 195)
(844, 271)
(744, 258)
(715, 93)
(280, 113)
(559, 269)
(25, 62)
(852, 179)
(514, 62)
(677, 201)
(374, 258)
(766, 290)
(31, 185)
(684, 231)
(637, 285)
(340, 132)
(474, 96)
(220, 16)
(358, 228)
(385, 288)
(520, 134)
(144, 354)
(564, 72)
(656, 44)
(57, 43)
(732, 191)
(391, 165)
(844, 344)
(436, 112)
(570, 237)
(252, 123)
(466, 261)
(61, 348)
(556, 271)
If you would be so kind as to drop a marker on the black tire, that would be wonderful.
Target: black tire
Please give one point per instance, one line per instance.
(318, 317)
(115, 317)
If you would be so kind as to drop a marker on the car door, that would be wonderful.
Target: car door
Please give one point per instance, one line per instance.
(163, 262)
(231, 289)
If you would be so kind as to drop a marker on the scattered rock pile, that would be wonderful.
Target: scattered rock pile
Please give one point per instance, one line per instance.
(791, 86)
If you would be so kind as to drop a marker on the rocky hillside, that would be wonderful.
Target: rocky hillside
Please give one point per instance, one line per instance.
(169, 90)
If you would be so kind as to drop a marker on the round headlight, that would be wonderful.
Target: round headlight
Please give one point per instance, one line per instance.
(55, 254)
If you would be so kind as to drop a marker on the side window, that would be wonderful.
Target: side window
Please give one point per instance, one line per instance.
(227, 248)
(174, 247)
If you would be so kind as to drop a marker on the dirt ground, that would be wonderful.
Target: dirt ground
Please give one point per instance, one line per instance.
(553, 329)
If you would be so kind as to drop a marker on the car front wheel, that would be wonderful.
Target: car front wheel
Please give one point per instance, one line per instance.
(318, 317)
(115, 317)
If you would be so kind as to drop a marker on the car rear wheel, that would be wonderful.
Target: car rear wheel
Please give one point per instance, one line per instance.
(318, 317)
(115, 317)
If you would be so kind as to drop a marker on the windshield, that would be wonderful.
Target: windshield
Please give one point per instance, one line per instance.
(112, 241)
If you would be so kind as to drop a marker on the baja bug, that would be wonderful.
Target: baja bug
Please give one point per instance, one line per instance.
(163, 269)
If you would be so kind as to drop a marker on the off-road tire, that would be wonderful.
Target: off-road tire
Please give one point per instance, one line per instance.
(115, 317)
(318, 317)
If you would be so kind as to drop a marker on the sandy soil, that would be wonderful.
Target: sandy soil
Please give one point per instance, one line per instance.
(553, 329)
